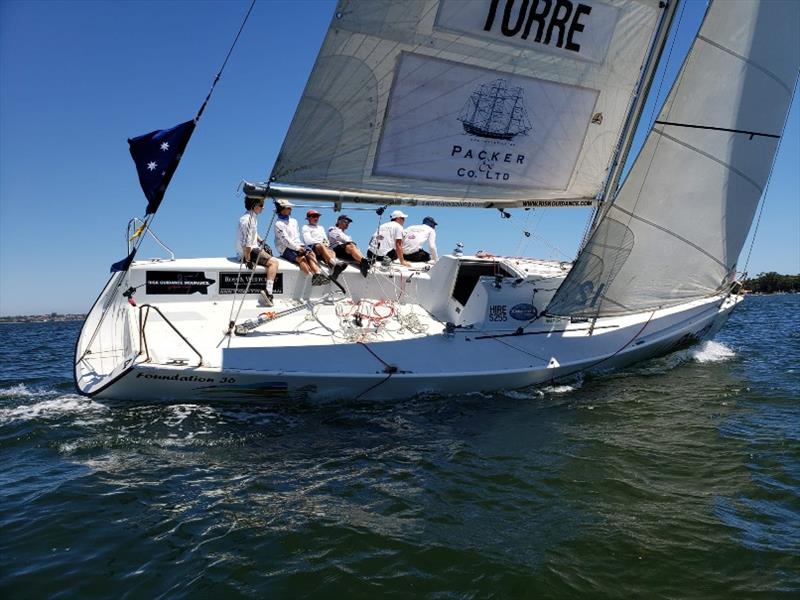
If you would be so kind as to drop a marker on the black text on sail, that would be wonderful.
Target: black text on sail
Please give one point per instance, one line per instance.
(556, 22)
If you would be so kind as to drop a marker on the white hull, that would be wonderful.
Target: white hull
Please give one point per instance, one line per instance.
(314, 353)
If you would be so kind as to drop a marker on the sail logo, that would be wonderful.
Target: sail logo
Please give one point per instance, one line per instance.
(496, 112)
(577, 29)
(469, 125)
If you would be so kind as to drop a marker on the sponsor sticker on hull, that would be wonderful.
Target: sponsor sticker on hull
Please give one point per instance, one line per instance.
(523, 312)
(177, 282)
(236, 283)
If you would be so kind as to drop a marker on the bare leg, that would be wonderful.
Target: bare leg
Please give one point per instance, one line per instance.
(312, 263)
(272, 269)
(330, 257)
(352, 250)
(303, 264)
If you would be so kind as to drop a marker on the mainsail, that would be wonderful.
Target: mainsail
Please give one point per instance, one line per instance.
(383, 110)
(678, 224)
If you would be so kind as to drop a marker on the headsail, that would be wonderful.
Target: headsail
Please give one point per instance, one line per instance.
(677, 226)
(469, 102)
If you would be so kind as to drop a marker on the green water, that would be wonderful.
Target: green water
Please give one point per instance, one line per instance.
(679, 478)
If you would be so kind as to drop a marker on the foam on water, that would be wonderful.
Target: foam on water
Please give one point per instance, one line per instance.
(560, 389)
(523, 394)
(711, 352)
(22, 391)
(70, 404)
(178, 413)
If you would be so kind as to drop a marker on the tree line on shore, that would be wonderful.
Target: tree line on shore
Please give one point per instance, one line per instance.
(769, 283)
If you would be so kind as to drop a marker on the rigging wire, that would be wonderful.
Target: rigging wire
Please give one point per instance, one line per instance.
(225, 62)
(150, 217)
(662, 79)
(769, 179)
(242, 262)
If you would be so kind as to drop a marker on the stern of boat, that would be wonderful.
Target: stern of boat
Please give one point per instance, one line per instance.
(108, 343)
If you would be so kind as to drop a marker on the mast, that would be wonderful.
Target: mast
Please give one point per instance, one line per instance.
(641, 93)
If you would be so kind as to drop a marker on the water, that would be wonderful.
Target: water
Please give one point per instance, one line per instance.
(679, 478)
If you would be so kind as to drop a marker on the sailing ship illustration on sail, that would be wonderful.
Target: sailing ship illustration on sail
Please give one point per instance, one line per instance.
(495, 111)
(374, 126)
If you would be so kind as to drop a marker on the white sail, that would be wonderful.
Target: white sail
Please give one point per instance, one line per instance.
(677, 226)
(469, 101)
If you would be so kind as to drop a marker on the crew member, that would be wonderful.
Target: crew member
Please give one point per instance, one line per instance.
(316, 241)
(417, 236)
(287, 242)
(343, 246)
(388, 239)
(249, 247)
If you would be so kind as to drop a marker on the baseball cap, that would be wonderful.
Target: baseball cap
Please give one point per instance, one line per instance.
(312, 213)
(344, 217)
(430, 221)
(399, 214)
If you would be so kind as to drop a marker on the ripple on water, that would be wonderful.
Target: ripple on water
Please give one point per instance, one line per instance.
(85, 410)
(676, 478)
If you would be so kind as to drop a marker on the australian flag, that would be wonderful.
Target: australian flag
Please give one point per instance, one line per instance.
(157, 155)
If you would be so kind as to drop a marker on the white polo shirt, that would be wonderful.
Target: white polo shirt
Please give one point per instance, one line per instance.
(314, 234)
(246, 233)
(286, 235)
(416, 236)
(337, 237)
(383, 239)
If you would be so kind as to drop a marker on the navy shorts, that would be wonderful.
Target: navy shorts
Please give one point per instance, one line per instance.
(291, 255)
(341, 251)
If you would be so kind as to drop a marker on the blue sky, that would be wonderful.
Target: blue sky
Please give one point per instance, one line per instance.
(79, 78)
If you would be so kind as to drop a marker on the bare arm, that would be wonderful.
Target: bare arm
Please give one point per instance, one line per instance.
(432, 244)
(398, 247)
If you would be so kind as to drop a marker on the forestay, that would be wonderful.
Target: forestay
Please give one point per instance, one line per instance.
(678, 224)
(469, 102)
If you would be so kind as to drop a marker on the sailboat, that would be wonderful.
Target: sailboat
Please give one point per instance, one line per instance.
(378, 124)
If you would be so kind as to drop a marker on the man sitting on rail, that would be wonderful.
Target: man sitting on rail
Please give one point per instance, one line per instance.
(343, 246)
(287, 242)
(249, 246)
(316, 241)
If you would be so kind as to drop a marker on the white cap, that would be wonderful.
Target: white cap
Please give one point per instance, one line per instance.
(284, 203)
(399, 213)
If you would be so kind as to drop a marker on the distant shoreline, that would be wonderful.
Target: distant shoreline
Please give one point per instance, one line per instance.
(57, 317)
(48, 318)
